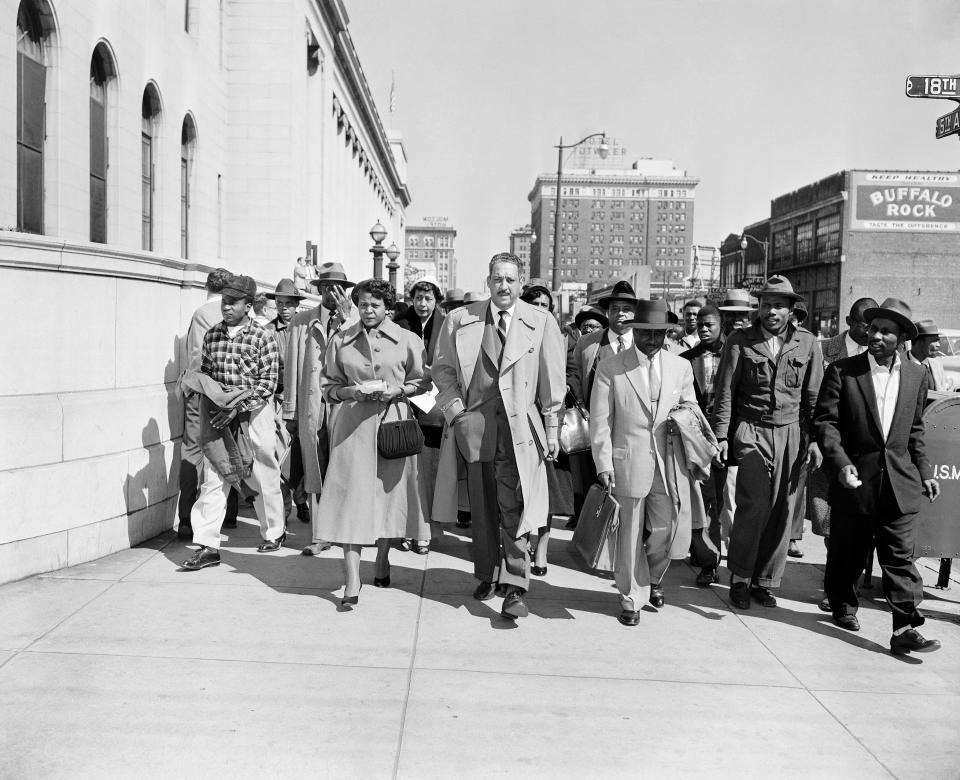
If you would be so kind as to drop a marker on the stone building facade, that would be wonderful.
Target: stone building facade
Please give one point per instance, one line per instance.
(144, 143)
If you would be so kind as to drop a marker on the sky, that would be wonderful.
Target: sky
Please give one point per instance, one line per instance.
(755, 98)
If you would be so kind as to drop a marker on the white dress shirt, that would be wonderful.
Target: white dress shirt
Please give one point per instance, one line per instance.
(627, 339)
(886, 387)
(851, 346)
(774, 342)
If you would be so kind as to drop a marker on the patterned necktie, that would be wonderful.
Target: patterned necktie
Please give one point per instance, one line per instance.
(620, 344)
(502, 327)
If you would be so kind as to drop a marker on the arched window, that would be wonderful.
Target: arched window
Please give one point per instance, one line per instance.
(188, 144)
(31, 91)
(150, 114)
(101, 71)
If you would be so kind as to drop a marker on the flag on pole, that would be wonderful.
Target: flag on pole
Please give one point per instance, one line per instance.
(393, 92)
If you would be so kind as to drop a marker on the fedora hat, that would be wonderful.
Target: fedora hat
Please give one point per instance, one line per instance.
(622, 293)
(926, 328)
(651, 315)
(454, 297)
(331, 272)
(896, 310)
(737, 300)
(287, 288)
(800, 311)
(472, 297)
(778, 285)
(590, 313)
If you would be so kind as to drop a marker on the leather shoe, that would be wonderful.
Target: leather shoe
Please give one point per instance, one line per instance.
(538, 571)
(740, 595)
(824, 605)
(202, 558)
(514, 606)
(794, 551)
(382, 582)
(629, 617)
(303, 513)
(272, 545)
(762, 596)
(484, 591)
(463, 519)
(708, 576)
(912, 641)
(316, 548)
(656, 596)
(185, 530)
(848, 622)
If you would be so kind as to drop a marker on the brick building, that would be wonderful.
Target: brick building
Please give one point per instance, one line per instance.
(141, 144)
(858, 233)
(520, 240)
(430, 251)
(615, 217)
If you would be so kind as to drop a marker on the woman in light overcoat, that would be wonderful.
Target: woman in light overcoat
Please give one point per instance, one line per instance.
(368, 499)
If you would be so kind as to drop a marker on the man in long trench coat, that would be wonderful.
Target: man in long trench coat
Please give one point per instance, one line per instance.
(304, 410)
(499, 372)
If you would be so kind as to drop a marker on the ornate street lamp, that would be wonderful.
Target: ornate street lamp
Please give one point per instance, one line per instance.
(378, 232)
(392, 254)
(603, 150)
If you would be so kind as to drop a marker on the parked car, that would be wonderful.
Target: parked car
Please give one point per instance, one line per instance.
(950, 348)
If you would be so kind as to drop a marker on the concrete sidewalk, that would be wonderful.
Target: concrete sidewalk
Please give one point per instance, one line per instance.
(128, 667)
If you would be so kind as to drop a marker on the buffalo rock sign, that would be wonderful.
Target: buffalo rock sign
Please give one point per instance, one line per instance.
(938, 535)
(938, 88)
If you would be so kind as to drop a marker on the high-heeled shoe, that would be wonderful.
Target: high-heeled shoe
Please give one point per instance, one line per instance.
(351, 601)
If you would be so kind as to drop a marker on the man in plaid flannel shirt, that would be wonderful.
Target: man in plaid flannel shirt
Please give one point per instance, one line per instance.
(239, 353)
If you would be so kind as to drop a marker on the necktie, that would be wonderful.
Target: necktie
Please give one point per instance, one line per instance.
(332, 322)
(620, 344)
(654, 380)
(502, 330)
(930, 376)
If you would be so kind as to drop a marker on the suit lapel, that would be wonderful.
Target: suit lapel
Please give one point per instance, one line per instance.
(469, 336)
(907, 394)
(865, 381)
(668, 379)
(519, 337)
(636, 371)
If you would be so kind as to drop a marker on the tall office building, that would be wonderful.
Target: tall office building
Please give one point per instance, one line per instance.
(520, 240)
(430, 251)
(615, 216)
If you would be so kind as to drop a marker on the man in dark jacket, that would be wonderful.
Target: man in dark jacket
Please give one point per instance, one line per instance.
(870, 426)
(705, 361)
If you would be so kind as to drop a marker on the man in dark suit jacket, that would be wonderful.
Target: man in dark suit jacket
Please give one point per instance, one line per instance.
(870, 426)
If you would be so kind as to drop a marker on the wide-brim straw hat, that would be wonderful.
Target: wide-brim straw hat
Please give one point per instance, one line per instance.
(737, 300)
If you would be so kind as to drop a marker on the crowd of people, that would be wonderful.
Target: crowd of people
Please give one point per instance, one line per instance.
(290, 412)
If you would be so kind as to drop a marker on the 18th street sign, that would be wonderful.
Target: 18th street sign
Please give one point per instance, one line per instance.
(949, 124)
(934, 87)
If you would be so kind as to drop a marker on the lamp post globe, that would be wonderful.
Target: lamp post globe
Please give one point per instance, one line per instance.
(602, 149)
(378, 232)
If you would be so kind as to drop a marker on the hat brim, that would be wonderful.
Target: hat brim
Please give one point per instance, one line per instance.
(606, 301)
(273, 295)
(735, 308)
(909, 329)
(341, 282)
(590, 315)
(778, 293)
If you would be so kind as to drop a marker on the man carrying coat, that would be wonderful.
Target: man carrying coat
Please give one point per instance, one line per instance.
(634, 392)
(770, 374)
(870, 425)
(499, 374)
(304, 410)
(582, 364)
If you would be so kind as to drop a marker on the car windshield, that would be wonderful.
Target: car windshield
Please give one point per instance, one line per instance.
(950, 345)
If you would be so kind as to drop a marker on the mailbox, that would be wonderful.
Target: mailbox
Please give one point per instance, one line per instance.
(938, 533)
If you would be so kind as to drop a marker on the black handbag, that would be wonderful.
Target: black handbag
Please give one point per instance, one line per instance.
(575, 429)
(399, 438)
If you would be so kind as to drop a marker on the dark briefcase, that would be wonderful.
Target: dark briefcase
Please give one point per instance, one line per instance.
(595, 537)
